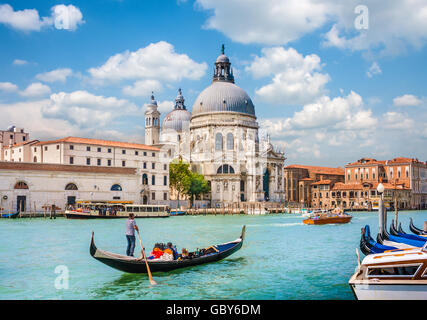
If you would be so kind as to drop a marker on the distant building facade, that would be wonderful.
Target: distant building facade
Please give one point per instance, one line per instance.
(404, 180)
(12, 136)
(98, 169)
(299, 178)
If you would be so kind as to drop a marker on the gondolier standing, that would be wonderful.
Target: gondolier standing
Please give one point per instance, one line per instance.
(130, 234)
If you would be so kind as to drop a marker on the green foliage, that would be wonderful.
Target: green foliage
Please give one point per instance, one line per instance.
(186, 182)
(179, 176)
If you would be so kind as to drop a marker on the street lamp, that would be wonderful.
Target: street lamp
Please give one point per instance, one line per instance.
(381, 215)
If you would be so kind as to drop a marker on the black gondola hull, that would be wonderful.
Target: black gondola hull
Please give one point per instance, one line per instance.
(133, 265)
(414, 229)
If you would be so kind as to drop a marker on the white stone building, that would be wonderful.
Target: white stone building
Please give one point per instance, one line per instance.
(220, 140)
(138, 172)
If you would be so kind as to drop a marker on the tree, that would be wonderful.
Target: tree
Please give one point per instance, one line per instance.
(198, 185)
(179, 177)
(186, 182)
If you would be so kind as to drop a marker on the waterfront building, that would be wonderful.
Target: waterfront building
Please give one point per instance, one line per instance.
(31, 187)
(299, 178)
(12, 136)
(147, 178)
(404, 180)
(220, 140)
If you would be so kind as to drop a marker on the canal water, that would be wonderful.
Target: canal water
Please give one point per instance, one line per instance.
(281, 257)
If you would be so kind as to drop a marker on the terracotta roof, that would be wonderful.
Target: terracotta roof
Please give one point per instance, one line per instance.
(98, 142)
(347, 186)
(26, 166)
(322, 182)
(306, 179)
(320, 170)
(21, 144)
(373, 186)
(400, 160)
(366, 162)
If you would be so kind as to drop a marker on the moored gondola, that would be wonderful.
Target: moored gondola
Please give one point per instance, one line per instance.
(10, 215)
(368, 244)
(415, 237)
(400, 228)
(414, 229)
(404, 239)
(137, 265)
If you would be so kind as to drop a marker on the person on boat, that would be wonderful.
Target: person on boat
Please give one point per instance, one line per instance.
(167, 254)
(157, 251)
(130, 234)
(184, 254)
(173, 250)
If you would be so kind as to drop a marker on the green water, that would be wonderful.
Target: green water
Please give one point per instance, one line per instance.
(281, 258)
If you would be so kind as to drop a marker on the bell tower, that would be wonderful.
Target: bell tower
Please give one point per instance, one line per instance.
(152, 123)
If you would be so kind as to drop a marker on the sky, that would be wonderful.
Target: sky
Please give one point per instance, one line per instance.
(331, 81)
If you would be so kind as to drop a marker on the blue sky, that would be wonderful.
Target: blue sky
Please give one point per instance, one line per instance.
(327, 92)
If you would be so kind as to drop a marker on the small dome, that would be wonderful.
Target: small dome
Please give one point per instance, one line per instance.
(222, 58)
(223, 96)
(176, 120)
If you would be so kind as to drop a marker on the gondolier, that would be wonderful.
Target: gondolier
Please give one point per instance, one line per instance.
(130, 234)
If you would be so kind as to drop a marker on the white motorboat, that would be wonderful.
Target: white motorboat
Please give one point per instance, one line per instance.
(399, 274)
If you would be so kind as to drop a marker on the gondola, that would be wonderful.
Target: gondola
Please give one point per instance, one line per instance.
(384, 235)
(394, 232)
(369, 246)
(137, 265)
(400, 228)
(416, 230)
(10, 215)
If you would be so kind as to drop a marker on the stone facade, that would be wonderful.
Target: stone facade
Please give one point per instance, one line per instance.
(299, 178)
(32, 187)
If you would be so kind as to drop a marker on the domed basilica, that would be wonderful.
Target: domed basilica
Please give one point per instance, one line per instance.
(219, 139)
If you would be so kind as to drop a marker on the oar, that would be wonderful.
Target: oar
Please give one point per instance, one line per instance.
(145, 259)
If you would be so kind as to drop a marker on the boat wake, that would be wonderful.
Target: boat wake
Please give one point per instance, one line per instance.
(277, 224)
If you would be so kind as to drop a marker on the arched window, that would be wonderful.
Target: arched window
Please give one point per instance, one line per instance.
(218, 142)
(116, 187)
(144, 179)
(71, 186)
(225, 168)
(21, 185)
(230, 141)
(35, 159)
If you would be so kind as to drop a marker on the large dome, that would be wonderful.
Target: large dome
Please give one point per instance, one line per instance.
(223, 96)
(176, 120)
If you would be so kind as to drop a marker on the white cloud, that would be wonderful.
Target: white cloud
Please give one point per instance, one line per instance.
(296, 79)
(407, 100)
(19, 62)
(86, 110)
(55, 75)
(157, 61)
(373, 70)
(8, 87)
(392, 28)
(272, 22)
(143, 88)
(395, 120)
(62, 17)
(35, 89)
(66, 17)
(39, 127)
